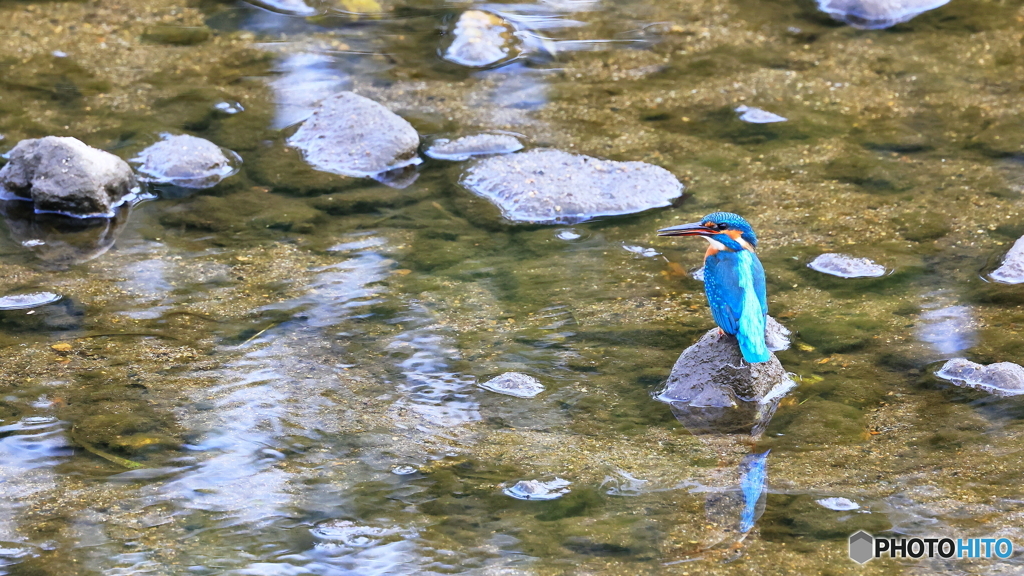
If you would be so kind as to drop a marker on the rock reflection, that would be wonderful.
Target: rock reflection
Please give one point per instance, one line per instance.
(945, 326)
(727, 404)
(304, 80)
(62, 240)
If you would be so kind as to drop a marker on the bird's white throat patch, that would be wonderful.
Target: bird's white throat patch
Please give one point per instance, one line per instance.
(715, 243)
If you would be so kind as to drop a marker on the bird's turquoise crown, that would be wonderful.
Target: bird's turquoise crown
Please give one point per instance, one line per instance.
(734, 222)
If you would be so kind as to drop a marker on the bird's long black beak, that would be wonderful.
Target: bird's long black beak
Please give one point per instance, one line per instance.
(692, 229)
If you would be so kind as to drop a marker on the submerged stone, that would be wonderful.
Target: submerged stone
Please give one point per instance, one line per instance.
(354, 136)
(187, 161)
(27, 301)
(876, 14)
(845, 266)
(349, 533)
(1012, 269)
(476, 145)
(838, 504)
(66, 176)
(481, 39)
(1001, 378)
(550, 186)
(537, 490)
(758, 116)
(514, 384)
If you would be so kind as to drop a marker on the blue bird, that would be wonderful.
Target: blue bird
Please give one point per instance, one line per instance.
(733, 279)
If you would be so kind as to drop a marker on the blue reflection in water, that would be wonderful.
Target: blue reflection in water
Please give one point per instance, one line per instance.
(753, 480)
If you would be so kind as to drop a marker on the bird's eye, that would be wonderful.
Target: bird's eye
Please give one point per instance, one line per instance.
(722, 226)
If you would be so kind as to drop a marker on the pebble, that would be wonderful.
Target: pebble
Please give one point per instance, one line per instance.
(1001, 378)
(549, 186)
(27, 301)
(641, 251)
(186, 161)
(537, 490)
(466, 147)
(514, 384)
(876, 14)
(1012, 269)
(758, 116)
(845, 266)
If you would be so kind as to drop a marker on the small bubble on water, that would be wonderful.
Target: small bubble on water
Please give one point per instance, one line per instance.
(568, 234)
(59, 54)
(403, 470)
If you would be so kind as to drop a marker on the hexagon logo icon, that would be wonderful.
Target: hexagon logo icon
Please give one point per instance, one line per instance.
(862, 547)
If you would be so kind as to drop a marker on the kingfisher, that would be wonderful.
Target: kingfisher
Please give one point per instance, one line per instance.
(733, 279)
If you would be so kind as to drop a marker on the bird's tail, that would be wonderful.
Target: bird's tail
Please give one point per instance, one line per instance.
(753, 346)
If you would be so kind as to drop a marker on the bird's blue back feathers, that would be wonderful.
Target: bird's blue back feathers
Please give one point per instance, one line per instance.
(735, 288)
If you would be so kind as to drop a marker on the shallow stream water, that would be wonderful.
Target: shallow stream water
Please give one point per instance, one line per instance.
(279, 375)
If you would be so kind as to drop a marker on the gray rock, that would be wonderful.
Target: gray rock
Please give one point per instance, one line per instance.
(476, 145)
(845, 266)
(354, 136)
(1001, 378)
(514, 384)
(537, 490)
(1012, 269)
(712, 390)
(481, 39)
(550, 186)
(876, 14)
(757, 115)
(186, 161)
(66, 176)
(27, 301)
